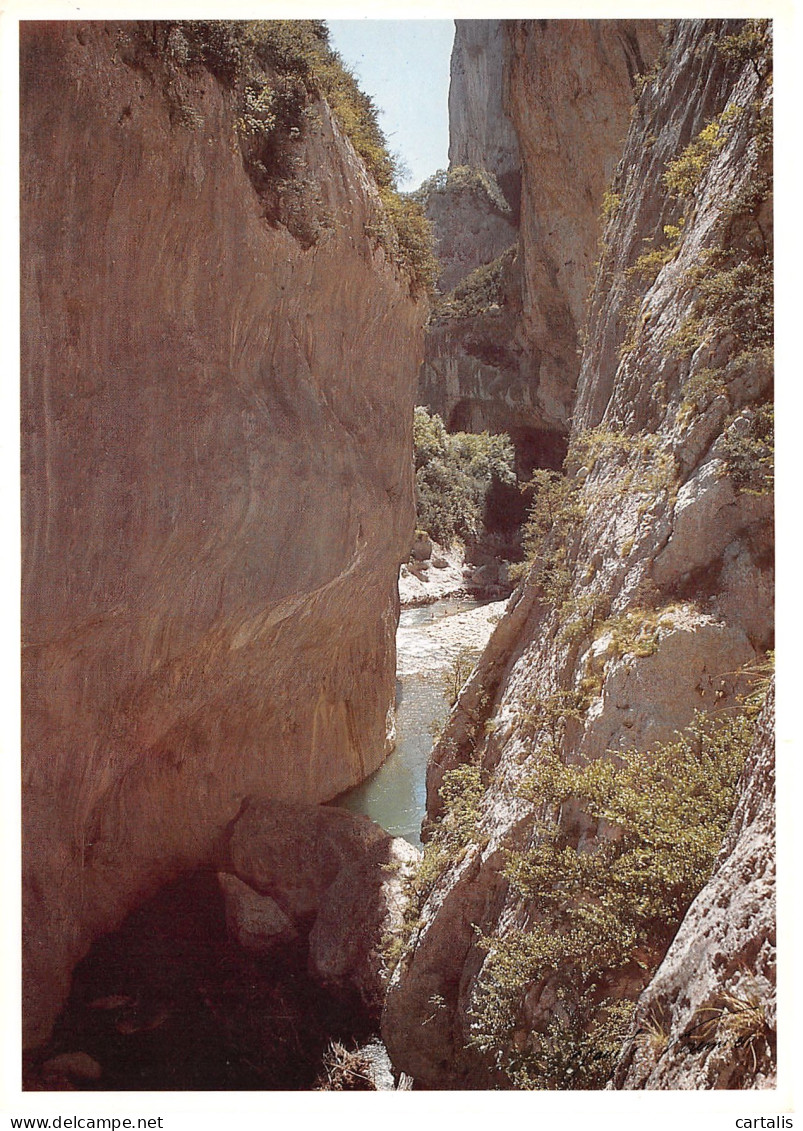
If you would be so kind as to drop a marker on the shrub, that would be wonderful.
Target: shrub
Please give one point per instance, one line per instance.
(407, 236)
(555, 512)
(748, 451)
(464, 179)
(461, 793)
(611, 906)
(684, 174)
(610, 204)
(454, 474)
(737, 297)
(277, 69)
(649, 264)
(456, 674)
(751, 44)
(482, 291)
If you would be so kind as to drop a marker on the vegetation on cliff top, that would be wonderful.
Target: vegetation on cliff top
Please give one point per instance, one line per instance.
(276, 70)
(483, 291)
(466, 179)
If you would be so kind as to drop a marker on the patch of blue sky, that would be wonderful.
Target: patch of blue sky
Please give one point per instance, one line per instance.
(404, 66)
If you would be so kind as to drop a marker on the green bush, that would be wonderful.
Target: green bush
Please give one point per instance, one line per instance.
(408, 238)
(461, 792)
(465, 179)
(456, 674)
(685, 172)
(751, 44)
(749, 452)
(483, 291)
(609, 907)
(276, 70)
(650, 263)
(454, 475)
(556, 511)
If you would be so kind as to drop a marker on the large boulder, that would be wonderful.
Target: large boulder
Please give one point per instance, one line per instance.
(334, 876)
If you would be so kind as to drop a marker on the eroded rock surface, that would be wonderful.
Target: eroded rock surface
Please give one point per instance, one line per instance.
(650, 596)
(481, 134)
(217, 493)
(543, 106)
(708, 1017)
(334, 876)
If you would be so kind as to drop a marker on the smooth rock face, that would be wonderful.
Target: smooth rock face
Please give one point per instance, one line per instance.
(332, 875)
(480, 131)
(708, 1017)
(543, 105)
(667, 566)
(570, 96)
(217, 491)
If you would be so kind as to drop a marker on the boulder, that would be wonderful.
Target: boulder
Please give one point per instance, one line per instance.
(255, 921)
(71, 1066)
(331, 875)
(422, 547)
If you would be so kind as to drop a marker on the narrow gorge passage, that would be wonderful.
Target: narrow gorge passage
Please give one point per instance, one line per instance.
(398, 562)
(171, 1001)
(429, 641)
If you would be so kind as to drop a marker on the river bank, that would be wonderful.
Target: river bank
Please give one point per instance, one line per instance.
(429, 640)
(434, 573)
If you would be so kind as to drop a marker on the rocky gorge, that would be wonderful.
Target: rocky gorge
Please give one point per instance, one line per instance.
(224, 311)
(647, 611)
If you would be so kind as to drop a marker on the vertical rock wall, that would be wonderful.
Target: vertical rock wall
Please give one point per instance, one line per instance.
(481, 134)
(543, 106)
(217, 492)
(571, 92)
(651, 595)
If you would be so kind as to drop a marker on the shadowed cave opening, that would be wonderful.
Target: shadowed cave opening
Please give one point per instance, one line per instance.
(534, 447)
(169, 1002)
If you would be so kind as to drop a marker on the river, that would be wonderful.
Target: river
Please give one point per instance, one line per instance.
(428, 641)
(170, 1002)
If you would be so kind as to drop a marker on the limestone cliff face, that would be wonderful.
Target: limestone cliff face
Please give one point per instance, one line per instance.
(216, 428)
(571, 93)
(481, 134)
(651, 589)
(708, 1017)
(543, 105)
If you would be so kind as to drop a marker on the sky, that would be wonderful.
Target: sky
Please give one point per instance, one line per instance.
(404, 66)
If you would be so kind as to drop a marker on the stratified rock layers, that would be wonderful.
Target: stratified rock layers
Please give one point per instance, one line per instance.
(216, 427)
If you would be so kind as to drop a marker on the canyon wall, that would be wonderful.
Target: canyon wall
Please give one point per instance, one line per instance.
(538, 105)
(709, 1013)
(217, 488)
(649, 600)
(481, 134)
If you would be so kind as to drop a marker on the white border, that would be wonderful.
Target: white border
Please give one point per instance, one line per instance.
(465, 1110)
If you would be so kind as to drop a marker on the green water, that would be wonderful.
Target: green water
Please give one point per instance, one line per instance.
(396, 795)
